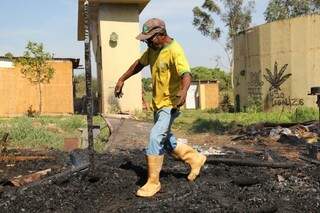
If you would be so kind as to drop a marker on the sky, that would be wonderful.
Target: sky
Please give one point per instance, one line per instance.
(54, 23)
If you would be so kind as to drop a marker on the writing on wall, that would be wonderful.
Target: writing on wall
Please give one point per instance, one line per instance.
(255, 85)
(276, 79)
(280, 99)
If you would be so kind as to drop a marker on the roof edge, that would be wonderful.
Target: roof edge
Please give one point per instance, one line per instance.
(96, 3)
(75, 61)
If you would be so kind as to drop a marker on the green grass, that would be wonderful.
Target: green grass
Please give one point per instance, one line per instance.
(47, 132)
(198, 121)
(204, 121)
(26, 132)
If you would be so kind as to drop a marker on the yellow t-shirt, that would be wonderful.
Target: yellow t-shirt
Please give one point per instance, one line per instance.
(167, 66)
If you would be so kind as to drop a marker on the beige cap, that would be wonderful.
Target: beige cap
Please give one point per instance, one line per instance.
(151, 27)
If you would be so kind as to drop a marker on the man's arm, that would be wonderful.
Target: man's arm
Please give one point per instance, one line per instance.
(185, 84)
(133, 69)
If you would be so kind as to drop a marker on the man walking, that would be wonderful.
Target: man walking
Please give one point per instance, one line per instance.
(171, 79)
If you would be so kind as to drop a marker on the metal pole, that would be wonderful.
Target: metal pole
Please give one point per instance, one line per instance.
(318, 103)
(88, 85)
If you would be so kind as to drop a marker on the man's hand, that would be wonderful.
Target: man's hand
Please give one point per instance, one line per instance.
(134, 69)
(182, 95)
(118, 89)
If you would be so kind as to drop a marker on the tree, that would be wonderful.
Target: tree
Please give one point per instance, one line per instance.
(236, 15)
(283, 9)
(80, 85)
(8, 55)
(35, 66)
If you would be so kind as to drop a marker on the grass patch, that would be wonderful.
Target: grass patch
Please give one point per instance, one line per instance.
(207, 125)
(304, 114)
(205, 121)
(49, 132)
(199, 121)
(67, 124)
(25, 133)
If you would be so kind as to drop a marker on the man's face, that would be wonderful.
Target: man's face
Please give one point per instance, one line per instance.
(154, 42)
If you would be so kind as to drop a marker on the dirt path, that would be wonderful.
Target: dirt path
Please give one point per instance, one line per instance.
(134, 135)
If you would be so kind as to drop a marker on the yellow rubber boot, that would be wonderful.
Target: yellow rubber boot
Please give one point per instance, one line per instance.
(153, 184)
(192, 157)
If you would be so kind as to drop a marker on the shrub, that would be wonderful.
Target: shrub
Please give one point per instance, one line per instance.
(225, 104)
(254, 105)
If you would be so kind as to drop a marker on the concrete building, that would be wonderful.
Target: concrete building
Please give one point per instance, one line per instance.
(18, 94)
(277, 63)
(114, 26)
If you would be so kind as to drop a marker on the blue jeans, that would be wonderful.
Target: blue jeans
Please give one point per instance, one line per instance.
(161, 139)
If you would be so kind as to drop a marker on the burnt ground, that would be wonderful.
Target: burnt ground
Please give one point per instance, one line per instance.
(12, 168)
(220, 188)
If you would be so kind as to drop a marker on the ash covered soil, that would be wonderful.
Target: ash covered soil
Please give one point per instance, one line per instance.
(54, 159)
(219, 188)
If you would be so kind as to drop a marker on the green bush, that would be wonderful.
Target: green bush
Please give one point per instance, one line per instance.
(147, 84)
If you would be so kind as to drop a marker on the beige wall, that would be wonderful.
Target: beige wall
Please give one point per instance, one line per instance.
(209, 95)
(116, 59)
(18, 94)
(294, 42)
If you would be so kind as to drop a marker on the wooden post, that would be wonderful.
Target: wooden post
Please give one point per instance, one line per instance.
(88, 84)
